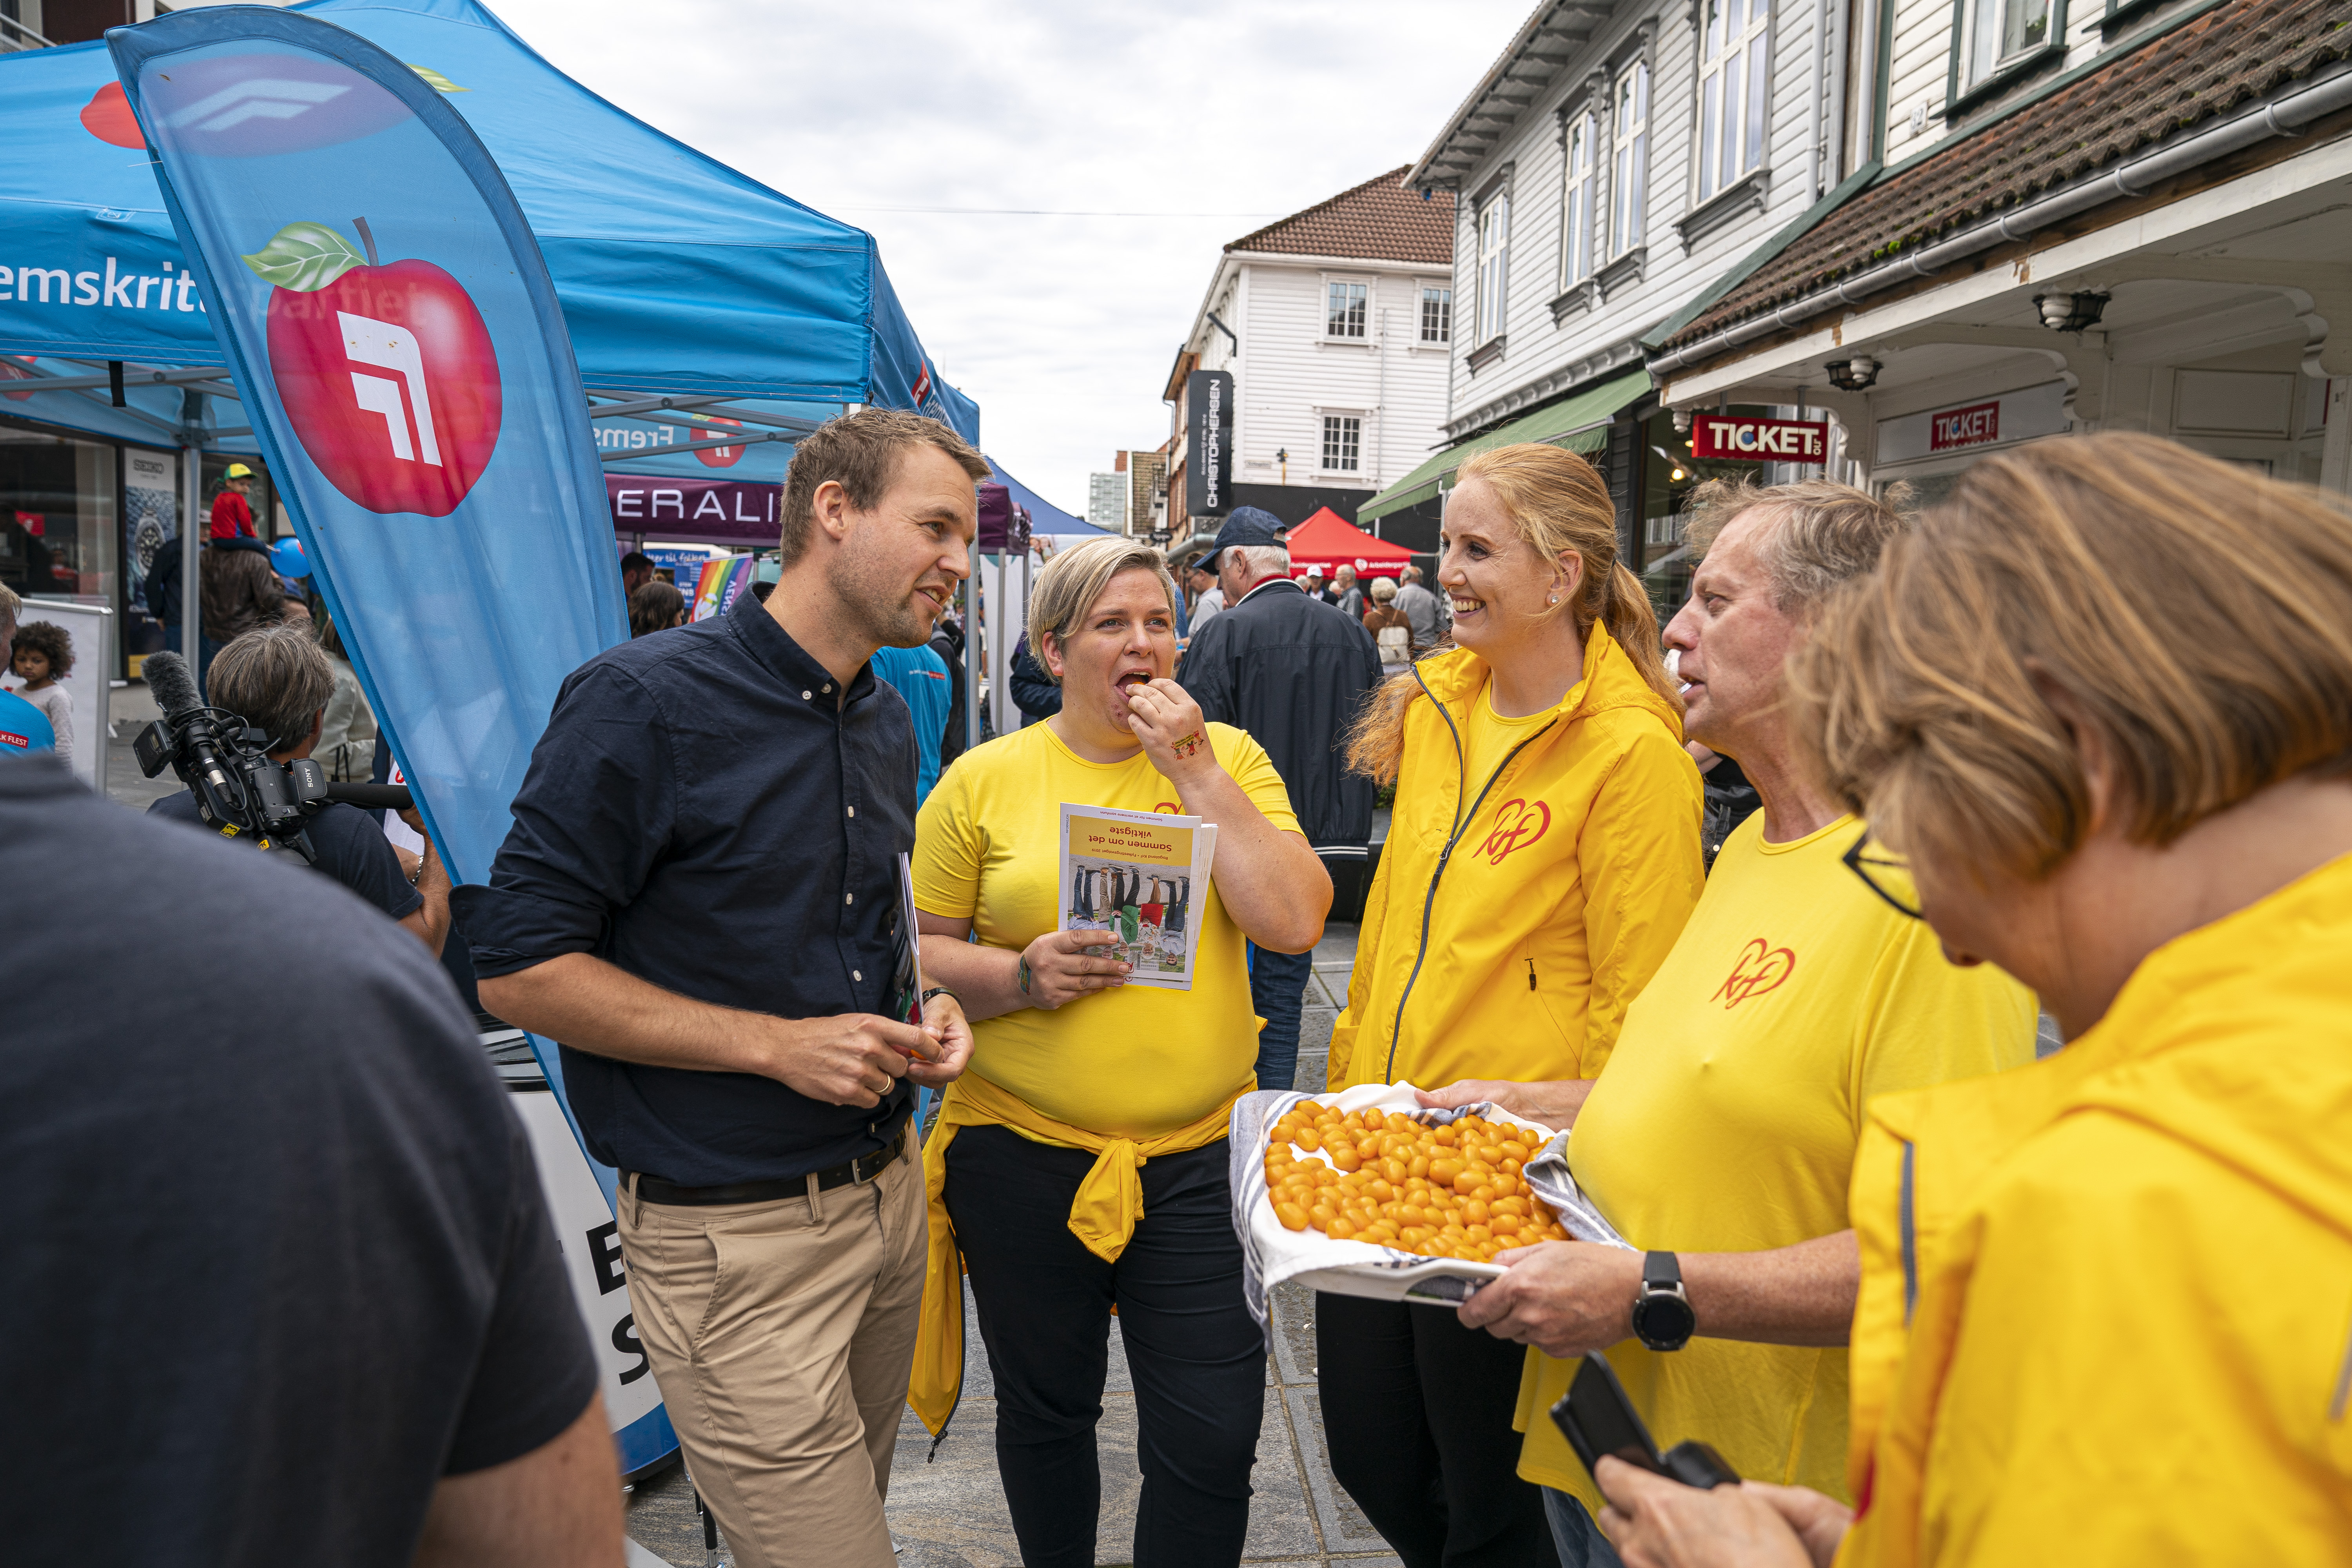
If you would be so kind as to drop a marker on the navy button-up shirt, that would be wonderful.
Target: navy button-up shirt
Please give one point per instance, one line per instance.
(705, 814)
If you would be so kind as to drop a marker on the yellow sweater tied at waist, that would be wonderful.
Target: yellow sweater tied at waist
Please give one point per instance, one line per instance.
(1108, 1208)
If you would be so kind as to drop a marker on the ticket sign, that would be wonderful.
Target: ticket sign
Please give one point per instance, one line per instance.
(1978, 425)
(1742, 439)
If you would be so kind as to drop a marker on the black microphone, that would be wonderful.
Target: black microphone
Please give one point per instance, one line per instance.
(175, 690)
(372, 797)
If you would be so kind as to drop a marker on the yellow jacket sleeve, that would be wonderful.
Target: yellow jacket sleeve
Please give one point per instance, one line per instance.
(1640, 863)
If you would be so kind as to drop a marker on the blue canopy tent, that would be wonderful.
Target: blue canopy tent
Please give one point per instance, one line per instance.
(1043, 516)
(676, 275)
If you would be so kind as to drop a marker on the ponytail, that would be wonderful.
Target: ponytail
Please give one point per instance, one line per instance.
(1627, 612)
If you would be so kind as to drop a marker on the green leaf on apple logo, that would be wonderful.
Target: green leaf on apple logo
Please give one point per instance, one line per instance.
(304, 258)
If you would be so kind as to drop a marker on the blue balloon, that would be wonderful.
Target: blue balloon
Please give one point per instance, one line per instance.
(288, 557)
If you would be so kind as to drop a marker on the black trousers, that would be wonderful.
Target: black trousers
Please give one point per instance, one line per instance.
(1417, 1418)
(1044, 1302)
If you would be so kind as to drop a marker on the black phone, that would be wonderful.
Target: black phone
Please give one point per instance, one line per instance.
(1597, 1418)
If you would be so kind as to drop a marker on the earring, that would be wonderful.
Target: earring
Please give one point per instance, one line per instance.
(1554, 599)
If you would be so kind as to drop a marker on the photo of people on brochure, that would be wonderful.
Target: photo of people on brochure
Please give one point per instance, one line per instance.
(1137, 877)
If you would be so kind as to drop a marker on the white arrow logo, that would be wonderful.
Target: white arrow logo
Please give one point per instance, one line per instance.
(367, 341)
(262, 99)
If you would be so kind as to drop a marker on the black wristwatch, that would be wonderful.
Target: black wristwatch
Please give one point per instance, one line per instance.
(1662, 1318)
(925, 1000)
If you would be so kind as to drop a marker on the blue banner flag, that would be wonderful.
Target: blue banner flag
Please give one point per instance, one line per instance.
(395, 339)
(398, 345)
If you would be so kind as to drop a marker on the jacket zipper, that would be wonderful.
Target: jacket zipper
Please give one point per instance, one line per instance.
(1461, 826)
(1910, 1232)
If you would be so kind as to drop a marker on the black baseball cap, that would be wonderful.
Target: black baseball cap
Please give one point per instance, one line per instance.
(1245, 525)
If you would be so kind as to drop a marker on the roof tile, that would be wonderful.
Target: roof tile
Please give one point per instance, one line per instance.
(1378, 220)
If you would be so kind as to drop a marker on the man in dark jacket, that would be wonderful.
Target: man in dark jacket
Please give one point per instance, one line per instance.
(1292, 671)
(947, 641)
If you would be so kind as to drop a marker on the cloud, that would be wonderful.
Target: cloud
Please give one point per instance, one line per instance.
(1063, 327)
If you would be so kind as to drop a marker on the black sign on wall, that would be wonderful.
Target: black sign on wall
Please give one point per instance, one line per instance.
(1209, 436)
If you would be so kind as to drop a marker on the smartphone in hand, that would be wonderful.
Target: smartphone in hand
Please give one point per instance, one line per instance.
(1597, 1418)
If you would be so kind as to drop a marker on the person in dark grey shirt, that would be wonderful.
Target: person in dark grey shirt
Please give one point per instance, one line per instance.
(699, 899)
(276, 1293)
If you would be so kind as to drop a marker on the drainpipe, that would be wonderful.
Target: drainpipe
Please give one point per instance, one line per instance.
(1813, 89)
(1380, 406)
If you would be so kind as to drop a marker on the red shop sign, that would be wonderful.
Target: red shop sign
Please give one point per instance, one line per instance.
(1740, 439)
(1978, 425)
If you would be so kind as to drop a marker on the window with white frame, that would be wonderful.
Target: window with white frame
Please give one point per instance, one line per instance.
(1343, 316)
(1629, 134)
(1733, 94)
(1343, 443)
(2000, 32)
(1577, 247)
(1436, 315)
(1494, 264)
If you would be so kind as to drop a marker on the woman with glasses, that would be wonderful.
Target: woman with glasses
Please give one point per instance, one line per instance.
(2102, 702)
(1721, 1138)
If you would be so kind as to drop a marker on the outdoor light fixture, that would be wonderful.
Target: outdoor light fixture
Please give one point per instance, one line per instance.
(1682, 421)
(1854, 374)
(2070, 313)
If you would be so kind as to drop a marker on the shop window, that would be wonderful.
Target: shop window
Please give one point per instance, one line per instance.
(1734, 92)
(1629, 130)
(1584, 177)
(1343, 439)
(1344, 317)
(57, 514)
(1436, 315)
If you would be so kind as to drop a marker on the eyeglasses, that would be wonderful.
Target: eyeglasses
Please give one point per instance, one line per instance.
(1886, 873)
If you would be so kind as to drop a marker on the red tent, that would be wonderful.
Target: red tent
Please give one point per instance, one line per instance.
(1329, 541)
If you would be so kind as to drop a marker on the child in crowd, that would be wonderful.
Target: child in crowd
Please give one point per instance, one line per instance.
(44, 656)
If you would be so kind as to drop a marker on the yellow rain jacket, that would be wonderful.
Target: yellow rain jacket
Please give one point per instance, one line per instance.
(1515, 916)
(2106, 1300)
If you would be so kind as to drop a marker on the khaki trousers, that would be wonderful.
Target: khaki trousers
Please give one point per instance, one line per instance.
(782, 1334)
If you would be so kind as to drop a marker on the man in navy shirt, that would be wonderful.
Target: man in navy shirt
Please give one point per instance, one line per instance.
(700, 900)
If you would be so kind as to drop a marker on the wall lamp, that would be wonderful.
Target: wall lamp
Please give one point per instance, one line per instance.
(2070, 313)
(1852, 374)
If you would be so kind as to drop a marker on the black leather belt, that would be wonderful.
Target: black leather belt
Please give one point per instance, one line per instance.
(865, 1168)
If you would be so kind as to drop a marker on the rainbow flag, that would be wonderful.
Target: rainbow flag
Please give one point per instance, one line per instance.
(723, 580)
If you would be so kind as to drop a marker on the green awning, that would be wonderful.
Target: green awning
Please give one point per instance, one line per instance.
(1580, 424)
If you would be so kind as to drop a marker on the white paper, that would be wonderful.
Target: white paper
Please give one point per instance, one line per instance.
(1141, 877)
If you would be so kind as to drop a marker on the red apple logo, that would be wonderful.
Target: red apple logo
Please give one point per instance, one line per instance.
(719, 457)
(108, 117)
(386, 371)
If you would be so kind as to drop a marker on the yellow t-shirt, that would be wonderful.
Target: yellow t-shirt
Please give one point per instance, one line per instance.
(1134, 1060)
(1727, 1122)
(1487, 738)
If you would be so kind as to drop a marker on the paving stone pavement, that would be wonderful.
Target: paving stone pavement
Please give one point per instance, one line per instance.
(949, 1512)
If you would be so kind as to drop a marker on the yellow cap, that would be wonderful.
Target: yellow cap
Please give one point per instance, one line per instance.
(239, 471)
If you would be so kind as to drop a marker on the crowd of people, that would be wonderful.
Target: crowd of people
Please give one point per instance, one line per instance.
(2078, 742)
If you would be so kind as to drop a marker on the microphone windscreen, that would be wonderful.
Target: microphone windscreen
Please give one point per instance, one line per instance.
(372, 797)
(167, 678)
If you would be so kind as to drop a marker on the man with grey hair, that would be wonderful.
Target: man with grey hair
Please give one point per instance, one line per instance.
(23, 729)
(278, 679)
(1720, 1137)
(1292, 671)
(1421, 607)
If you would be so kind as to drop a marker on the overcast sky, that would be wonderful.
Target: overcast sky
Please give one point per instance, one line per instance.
(1064, 328)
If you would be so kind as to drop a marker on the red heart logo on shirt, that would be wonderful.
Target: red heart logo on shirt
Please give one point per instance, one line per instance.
(1760, 967)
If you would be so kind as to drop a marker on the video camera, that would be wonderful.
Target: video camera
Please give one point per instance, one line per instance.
(226, 764)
